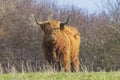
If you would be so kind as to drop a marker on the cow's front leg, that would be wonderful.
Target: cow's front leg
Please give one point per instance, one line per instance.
(65, 62)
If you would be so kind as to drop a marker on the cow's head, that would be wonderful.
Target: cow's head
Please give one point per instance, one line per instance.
(51, 25)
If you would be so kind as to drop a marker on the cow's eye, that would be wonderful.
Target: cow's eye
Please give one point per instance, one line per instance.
(48, 23)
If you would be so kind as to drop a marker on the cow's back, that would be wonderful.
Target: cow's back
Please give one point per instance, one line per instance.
(74, 37)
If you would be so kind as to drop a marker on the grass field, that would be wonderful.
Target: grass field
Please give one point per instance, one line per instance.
(62, 76)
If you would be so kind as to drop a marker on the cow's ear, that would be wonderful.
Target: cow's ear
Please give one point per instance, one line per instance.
(62, 26)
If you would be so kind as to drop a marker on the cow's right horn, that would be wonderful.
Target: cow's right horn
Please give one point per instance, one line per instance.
(38, 21)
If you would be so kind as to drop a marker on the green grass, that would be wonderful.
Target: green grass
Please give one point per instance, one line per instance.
(62, 76)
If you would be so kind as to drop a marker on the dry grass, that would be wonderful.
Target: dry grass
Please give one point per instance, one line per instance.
(50, 74)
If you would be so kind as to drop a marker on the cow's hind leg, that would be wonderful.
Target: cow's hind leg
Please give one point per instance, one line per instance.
(75, 65)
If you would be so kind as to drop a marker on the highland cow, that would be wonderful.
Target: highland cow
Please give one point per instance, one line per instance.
(60, 45)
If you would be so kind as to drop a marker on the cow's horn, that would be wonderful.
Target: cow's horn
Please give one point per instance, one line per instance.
(64, 23)
(38, 21)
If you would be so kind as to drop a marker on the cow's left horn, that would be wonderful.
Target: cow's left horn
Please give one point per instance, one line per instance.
(64, 23)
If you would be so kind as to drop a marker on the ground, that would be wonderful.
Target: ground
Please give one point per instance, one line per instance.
(62, 76)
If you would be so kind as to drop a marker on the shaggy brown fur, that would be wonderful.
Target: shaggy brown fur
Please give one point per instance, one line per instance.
(61, 45)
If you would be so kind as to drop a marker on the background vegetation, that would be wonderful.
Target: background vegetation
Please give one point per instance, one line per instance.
(21, 38)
